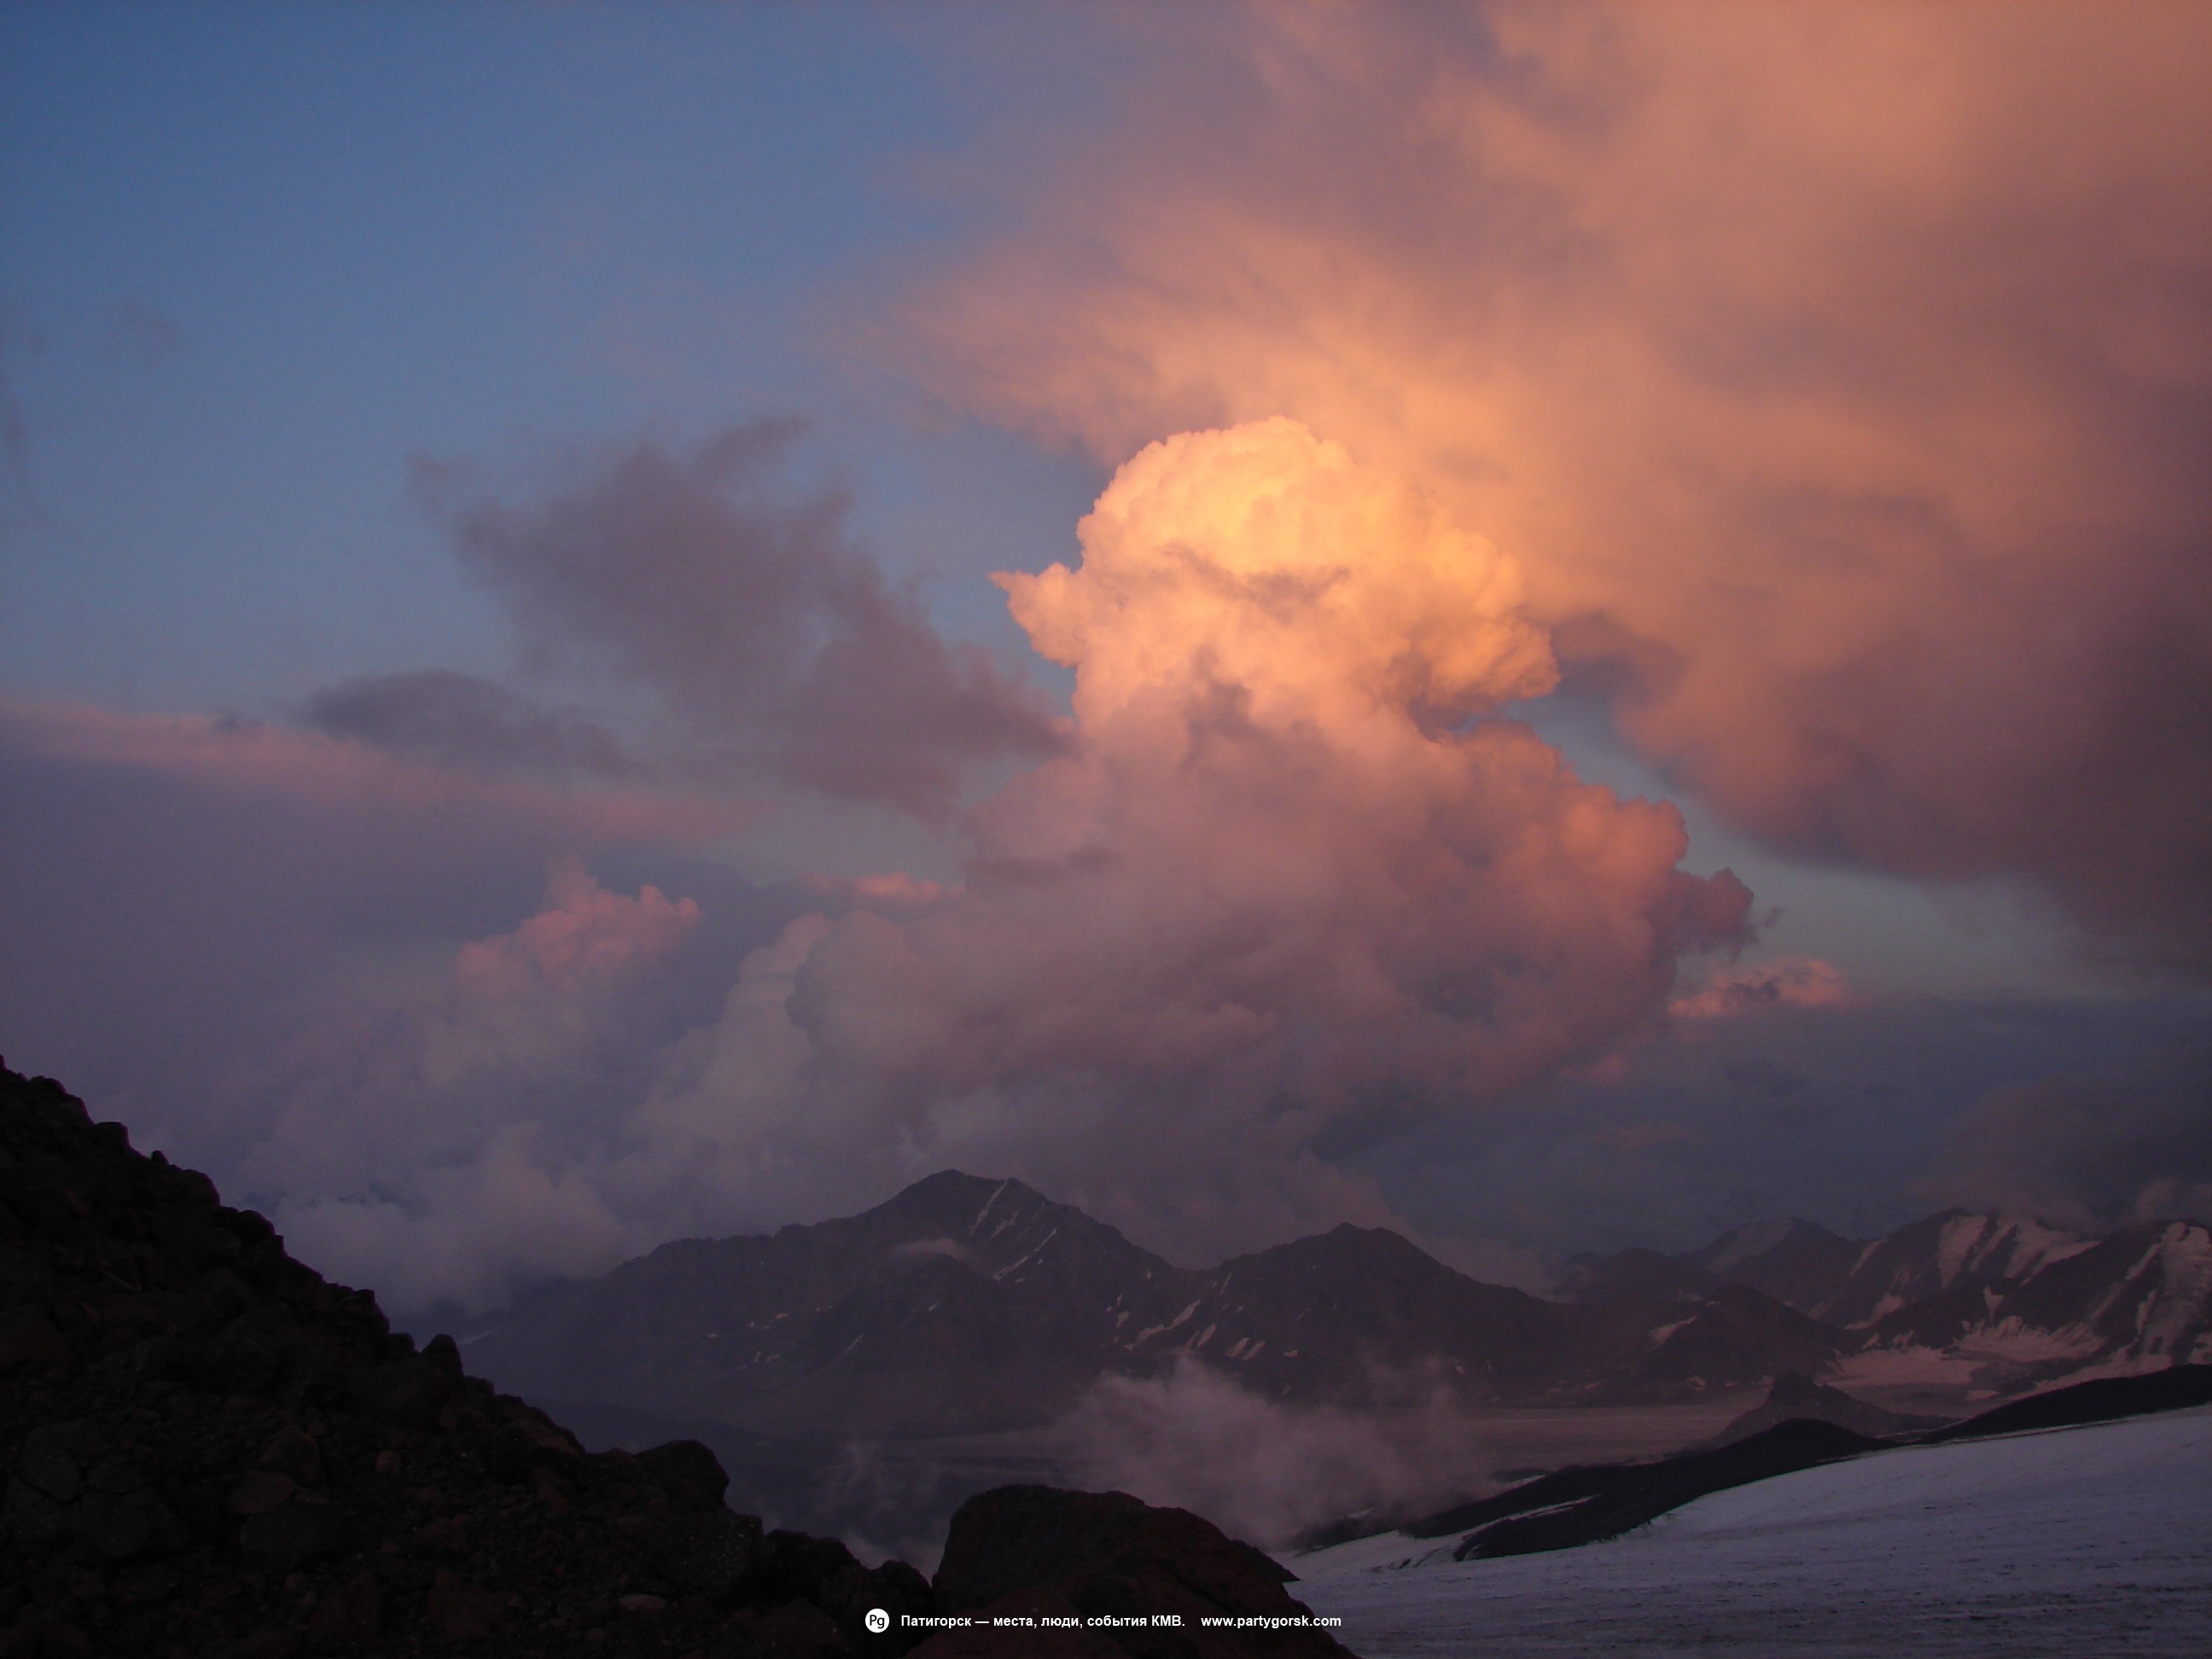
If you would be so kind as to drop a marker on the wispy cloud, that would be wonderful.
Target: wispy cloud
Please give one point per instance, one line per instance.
(768, 641)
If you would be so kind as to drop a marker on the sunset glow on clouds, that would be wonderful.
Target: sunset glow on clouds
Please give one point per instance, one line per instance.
(443, 1137)
(1818, 396)
(1262, 913)
(1843, 405)
(1791, 983)
(1276, 902)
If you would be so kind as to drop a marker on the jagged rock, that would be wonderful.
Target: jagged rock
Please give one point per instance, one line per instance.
(794, 1567)
(1581, 1505)
(206, 1448)
(797, 1630)
(50, 1456)
(460, 1609)
(260, 1493)
(1109, 1555)
(28, 1340)
(687, 1472)
(295, 1455)
(406, 1392)
(353, 1612)
(301, 1529)
(122, 1525)
(848, 1595)
(698, 1558)
(448, 1535)
(71, 1486)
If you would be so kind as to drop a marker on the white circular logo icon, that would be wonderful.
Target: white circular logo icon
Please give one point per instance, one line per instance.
(878, 1620)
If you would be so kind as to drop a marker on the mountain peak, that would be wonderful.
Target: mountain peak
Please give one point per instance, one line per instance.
(1755, 1240)
(957, 1196)
(996, 1223)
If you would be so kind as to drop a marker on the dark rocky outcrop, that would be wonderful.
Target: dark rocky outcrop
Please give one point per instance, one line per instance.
(1099, 1574)
(1584, 1505)
(2102, 1400)
(206, 1449)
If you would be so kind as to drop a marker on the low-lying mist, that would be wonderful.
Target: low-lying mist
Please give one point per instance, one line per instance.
(1198, 1440)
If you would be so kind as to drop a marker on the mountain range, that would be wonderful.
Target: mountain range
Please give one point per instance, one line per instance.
(967, 1306)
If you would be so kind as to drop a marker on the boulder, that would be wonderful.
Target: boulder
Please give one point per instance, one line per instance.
(1112, 1557)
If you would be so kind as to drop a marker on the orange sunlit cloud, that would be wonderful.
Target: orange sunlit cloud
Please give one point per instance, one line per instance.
(1277, 897)
(1837, 376)
(1794, 982)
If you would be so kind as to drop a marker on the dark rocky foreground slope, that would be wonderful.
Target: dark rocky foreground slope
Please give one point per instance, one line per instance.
(211, 1453)
(1098, 1574)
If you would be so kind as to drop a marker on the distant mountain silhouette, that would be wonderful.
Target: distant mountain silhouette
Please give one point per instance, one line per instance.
(1992, 1304)
(961, 1306)
(966, 1305)
(1795, 1399)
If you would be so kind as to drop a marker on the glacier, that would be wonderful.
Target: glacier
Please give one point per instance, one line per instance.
(2064, 1542)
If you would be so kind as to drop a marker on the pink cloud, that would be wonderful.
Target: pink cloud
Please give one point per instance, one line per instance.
(333, 776)
(1837, 378)
(895, 890)
(1792, 983)
(439, 1135)
(583, 933)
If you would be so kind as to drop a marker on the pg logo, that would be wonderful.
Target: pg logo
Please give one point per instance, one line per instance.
(877, 1621)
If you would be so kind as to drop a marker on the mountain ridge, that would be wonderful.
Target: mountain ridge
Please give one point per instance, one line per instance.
(966, 1305)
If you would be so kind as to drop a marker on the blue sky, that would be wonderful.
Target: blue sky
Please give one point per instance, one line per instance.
(259, 256)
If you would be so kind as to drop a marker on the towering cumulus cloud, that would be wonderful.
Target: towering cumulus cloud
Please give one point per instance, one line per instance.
(1290, 888)
(1842, 377)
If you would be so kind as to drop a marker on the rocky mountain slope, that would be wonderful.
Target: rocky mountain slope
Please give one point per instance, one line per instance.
(966, 1305)
(961, 1304)
(1044, 1574)
(208, 1452)
(1991, 1304)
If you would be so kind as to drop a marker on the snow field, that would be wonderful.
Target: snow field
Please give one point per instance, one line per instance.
(2077, 1542)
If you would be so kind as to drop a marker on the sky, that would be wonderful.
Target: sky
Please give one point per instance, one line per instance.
(1553, 627)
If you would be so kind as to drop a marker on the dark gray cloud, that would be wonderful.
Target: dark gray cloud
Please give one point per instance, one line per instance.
(766, 635)
(460, 720)
(1837, 1114)
(2129, 1143)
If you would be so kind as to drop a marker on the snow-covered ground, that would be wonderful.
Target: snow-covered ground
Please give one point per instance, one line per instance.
(2074, 1542)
